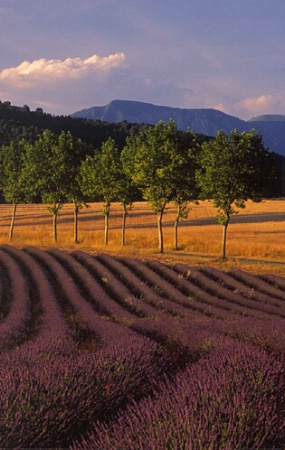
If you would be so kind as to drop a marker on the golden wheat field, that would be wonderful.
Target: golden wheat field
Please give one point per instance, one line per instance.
(256, 232)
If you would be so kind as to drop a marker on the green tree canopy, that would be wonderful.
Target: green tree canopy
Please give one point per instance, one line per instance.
(11, 183)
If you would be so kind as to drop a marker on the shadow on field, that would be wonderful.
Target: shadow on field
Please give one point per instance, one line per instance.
(235, 218)
(239, 218)
(25, 220)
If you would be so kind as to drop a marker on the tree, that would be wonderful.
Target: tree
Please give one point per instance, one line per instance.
(151, 159)
(233, 169)
(46, 172)
(75, 151)
(100, 176)
(11, 177)
(185, 186)
(127, 193)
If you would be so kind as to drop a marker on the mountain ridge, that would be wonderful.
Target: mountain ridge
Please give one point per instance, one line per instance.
(201, 120)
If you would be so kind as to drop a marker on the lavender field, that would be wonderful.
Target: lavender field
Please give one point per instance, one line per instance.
(105, 352)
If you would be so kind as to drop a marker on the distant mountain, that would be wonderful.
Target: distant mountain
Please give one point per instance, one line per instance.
(204, 121)
(268, 118)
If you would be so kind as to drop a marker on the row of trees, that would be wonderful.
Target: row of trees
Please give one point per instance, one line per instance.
(160, 163)
(168, 166)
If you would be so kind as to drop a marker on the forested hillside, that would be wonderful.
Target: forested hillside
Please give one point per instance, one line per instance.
(20, 122)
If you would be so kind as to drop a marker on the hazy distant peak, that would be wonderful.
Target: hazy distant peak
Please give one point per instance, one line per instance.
(268, 118)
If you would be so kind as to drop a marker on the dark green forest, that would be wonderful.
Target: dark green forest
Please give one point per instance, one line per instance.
(18, 123)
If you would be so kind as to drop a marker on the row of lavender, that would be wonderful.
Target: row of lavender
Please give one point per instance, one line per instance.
(231, 399)
(83, 336)
(49, 398)
(96, 299)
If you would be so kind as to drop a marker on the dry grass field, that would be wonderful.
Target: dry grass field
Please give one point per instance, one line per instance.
(257, 232)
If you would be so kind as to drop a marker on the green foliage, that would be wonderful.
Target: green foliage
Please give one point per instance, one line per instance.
(12, 185)
(100, 176)
(11, 168)
(75, 151)
(45, 169)
(150, 159)
(233, 170)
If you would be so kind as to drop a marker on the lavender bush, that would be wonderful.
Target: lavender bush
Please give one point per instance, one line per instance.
(193, 297)
(142, 289)
(53, 329)
(14, 327)
(104, 332)
(232, 399)
(84, 339)
(48, 399)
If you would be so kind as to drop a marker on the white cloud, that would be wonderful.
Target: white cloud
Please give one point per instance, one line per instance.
(54, 70)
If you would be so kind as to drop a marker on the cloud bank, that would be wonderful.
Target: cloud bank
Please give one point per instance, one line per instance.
(260, 104)
(54, 70)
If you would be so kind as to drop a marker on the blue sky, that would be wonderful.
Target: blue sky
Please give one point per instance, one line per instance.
(66, 55)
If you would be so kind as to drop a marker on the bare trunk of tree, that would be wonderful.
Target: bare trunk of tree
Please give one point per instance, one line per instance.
(106, 229)
(124, 225)
(54, 224)
(176, 234)
(176, 223)
(160, 233)
(12, 222)
(75, 223)
(106, 212)
(106, 239)
(54, 209)
(224, 240)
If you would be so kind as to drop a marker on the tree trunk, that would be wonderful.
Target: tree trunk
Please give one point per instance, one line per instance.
(176, 223)
(12, 222)
(124, 225)
(106, 228)
(224, 240)
(160, 233)
(54, 226)
(106, 239)
(106, 212)
(75, 223)
(176, 234)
